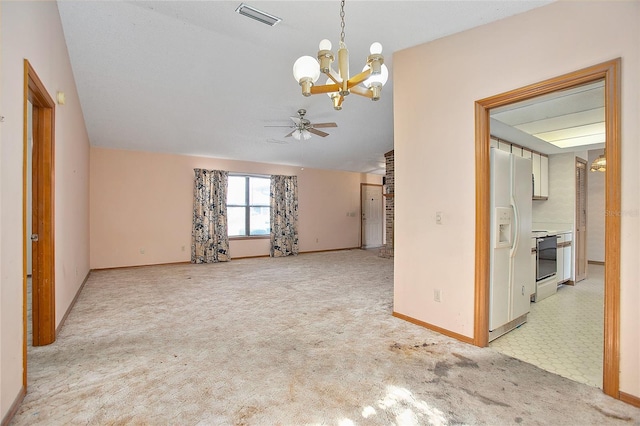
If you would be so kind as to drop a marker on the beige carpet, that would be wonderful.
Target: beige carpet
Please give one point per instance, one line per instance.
(306, 340)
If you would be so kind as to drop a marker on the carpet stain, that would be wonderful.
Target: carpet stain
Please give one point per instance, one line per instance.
(485, 400)
(611, 415)
(410, 349)
(464, 361)
(441, 369)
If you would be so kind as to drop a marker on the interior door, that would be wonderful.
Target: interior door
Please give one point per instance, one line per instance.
(371, 208)
(42, 210)
(581, 220)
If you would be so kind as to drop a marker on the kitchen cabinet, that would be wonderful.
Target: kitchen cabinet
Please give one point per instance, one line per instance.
(544, 176)
(560, 259)
(540, 165)
(534, 262)
(535, 162)
(564, 257)
(504, 146)
(567, 257)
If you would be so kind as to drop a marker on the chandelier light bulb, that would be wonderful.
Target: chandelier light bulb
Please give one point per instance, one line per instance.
(376, 78)
(306, 67)
(376, 48)
(324, 45)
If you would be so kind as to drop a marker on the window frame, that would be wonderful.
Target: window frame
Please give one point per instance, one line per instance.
(247, 207)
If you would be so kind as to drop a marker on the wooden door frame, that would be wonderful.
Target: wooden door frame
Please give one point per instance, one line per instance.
(610, 72)
(362, 185)
(43, 269)
(582, 237)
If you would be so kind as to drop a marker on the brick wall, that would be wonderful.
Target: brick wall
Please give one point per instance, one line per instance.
(387, 250)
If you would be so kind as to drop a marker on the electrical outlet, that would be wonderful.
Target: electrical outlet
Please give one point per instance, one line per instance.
(437, 296)
(439, 218)
(182, 248)
(141, 251)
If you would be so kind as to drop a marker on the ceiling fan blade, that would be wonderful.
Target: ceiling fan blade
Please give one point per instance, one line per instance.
(296, 120)
(286, 136)
(321, 125)
(288, 125)
(317, 132)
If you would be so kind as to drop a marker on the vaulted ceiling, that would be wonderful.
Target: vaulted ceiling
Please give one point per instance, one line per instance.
(196, 78)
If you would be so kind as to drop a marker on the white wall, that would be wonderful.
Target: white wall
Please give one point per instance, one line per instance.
(32, 30)
(133, 194)
(436, 85)
(595, 211)
(558, 212)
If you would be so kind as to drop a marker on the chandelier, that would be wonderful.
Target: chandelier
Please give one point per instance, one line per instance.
(599, 164)
(307, 70)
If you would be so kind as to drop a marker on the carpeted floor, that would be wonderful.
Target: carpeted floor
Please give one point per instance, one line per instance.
(306, 340)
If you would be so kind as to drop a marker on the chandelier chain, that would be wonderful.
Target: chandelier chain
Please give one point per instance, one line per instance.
(342, 21)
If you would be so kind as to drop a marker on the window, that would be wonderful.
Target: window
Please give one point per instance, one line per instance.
(248, 206)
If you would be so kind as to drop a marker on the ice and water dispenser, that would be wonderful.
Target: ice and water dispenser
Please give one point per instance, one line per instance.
(503, 227)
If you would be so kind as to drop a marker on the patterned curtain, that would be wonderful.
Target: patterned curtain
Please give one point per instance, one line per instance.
(284, 216)
(209, 238)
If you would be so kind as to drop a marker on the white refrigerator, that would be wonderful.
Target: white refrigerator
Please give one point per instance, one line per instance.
(511, 279)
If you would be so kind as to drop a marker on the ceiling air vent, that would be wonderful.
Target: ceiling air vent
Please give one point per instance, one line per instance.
(258, 15)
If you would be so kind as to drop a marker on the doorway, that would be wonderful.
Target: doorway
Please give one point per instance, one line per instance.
(610, 72)
(371, 207)
(41, 211)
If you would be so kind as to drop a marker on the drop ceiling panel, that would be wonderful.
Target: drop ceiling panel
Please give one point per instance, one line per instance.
(573, 132)
(566, 119)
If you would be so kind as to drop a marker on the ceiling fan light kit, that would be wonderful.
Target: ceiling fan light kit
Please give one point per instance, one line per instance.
(301, 134)
(303, 128)
(307, 70)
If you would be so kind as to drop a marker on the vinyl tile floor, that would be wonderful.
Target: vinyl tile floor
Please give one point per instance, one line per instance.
(564, 333)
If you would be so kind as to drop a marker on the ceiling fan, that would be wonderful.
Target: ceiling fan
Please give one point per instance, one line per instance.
(303, 128)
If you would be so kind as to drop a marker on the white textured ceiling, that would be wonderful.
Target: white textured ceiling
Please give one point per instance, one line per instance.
(196, 78)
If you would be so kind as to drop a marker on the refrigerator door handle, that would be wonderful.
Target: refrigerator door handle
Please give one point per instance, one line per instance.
(515, 229)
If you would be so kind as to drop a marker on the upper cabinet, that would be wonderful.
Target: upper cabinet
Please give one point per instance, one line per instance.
(544, 177)
(540, 176)
(536, 175)
(539, 164)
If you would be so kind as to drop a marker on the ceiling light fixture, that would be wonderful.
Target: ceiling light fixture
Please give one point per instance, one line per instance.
(306, 71)
(600, 163)
(303, 134)
(258, 15)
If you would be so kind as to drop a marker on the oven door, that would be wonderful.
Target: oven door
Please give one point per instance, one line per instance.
(546, 264)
